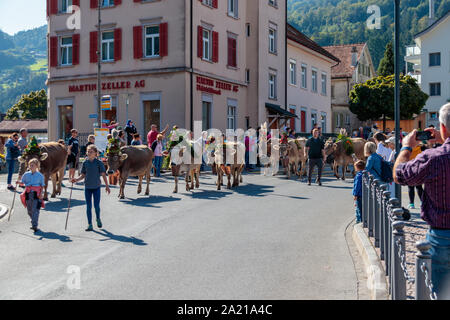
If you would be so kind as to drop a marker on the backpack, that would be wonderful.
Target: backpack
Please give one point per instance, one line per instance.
(386, 174)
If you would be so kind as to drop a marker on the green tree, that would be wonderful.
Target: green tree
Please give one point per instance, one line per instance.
(386, 67)
(33, 105)
(374, 99)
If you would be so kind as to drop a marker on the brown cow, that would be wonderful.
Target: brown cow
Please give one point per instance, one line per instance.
(341, 159)
(235, 168)
(52, 160)
(293, 154)
(191, 170)
(131, 161)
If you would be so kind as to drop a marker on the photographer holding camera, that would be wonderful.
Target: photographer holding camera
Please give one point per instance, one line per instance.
(432, 168)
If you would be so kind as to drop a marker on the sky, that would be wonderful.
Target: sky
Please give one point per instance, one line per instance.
(19, 15)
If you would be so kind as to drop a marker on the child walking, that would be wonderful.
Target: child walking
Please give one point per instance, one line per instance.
(91, 171)
(357, 189)
(34, 192)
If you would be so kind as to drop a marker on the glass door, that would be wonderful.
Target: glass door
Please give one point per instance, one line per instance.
(65, 121)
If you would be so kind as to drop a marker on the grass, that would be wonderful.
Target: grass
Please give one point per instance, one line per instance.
(39, 66)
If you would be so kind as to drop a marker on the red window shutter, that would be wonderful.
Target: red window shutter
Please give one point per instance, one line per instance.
(117, 2)
(215, 50)
(48, 8)
(94, 4)
(137, 0)
(163, 39)
(76, 49)
(53, 51)
(53, 6)
(230, 52)
(117, 44)
(137, 42)
(76, 3)
(93, 46)
(214, 4)
(200, 42)
(234, 52)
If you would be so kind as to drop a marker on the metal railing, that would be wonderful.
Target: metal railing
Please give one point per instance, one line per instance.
(383, 218)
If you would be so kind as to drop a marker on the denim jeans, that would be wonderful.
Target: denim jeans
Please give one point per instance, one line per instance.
(89, 193)
(11, 164)
(157, 163)
(358, 209)
(440, 262)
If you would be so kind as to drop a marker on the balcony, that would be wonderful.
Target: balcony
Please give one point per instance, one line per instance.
(412, 54)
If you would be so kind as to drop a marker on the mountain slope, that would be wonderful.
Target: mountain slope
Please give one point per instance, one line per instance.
(332, 22)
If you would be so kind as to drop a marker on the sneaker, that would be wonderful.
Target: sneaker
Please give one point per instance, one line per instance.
(11, 188)
(309, 183)
(319, 183)
(99, 223)
(90, 228)
(411, 206)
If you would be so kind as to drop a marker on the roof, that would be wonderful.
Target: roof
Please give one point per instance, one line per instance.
(344, 53)
(300, 38)
(280, 111)
(433, 25)
(36, 126)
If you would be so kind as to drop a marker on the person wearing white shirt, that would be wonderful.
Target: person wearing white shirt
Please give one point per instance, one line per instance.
(382, 150)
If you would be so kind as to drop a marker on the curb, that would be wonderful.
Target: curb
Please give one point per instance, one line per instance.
(3, 210)
(376, 281)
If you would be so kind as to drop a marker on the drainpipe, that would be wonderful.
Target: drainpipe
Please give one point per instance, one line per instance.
(192, 69)
(285, 57)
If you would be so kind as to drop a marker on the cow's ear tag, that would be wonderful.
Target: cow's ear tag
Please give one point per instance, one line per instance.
(44, 156)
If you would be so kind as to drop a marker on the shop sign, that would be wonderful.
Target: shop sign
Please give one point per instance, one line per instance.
(106, 103)
(214, 86)
(117, 85)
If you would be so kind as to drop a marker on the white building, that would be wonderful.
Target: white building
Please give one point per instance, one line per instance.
(430, 57)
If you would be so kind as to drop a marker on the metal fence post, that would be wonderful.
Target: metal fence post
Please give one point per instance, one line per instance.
(380, 218)
(371, 201)
(386, 225)
(423, 257)
(376, 212)
(398, 245)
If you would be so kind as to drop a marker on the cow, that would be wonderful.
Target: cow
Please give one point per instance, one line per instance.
(52, 159)
(191, 170)
(131, 161)
(293, 156)
(234, 169)
(341, 159)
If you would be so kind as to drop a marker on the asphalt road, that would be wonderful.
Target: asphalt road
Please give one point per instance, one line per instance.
(271, 238)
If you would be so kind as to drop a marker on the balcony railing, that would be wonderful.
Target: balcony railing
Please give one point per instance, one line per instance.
(412, 51)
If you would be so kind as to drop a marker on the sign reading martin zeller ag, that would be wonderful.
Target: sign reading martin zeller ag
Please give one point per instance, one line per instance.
(117, 85)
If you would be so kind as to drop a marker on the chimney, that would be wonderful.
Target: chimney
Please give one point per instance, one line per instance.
(354, 56)
(431, 17)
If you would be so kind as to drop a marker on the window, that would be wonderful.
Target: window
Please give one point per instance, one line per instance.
(313, 119)
(272, 40)
(108, 46)
(347, 119)
(323, 122)
(152, 41)
(332, 91)
(231, 117)
(435, 89)
(247, 75)
(206, 115)
(66, 51)
(64, 6)
(273, 3)
(304, 79)
(314, 80)
(324, 83)
(107, 3)
(248, 29)
(208, 2)
(293, 72)
(207, 44)
(233, 8)
(435, 59)
(272, 86)
(433, 115)
(232, 52)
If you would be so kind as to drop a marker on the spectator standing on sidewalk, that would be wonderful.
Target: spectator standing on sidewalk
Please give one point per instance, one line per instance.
(131, 130)
(382, 150)
(316, 154)
(74, 149)
(432, 168)
(374, 160)
(357, 189)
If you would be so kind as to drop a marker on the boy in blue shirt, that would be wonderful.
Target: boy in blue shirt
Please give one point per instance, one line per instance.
(357, 189)
(34, 192)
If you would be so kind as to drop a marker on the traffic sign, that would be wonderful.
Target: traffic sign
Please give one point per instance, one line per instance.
(93, 116)
(106, 103)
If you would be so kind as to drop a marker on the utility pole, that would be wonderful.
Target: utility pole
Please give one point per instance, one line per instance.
(99, 67)
(398, 193)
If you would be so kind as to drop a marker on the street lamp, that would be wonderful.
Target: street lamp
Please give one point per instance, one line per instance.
(398, 193)
(99, 66)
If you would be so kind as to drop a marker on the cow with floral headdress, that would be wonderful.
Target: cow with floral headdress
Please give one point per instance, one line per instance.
(52, 158)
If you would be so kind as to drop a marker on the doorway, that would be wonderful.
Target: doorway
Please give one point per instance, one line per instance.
(152, 114)
(65, 121)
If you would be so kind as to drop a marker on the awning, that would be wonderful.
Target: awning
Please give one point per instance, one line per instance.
(280, 112)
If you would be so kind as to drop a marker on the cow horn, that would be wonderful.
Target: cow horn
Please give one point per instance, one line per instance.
(123, 156)
(43, 156)
(21, 159)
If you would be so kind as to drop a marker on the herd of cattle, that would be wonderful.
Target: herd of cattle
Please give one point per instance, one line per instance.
(137, 161)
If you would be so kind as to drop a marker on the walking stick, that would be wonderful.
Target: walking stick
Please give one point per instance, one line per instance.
(12, 206)
(68, 207)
